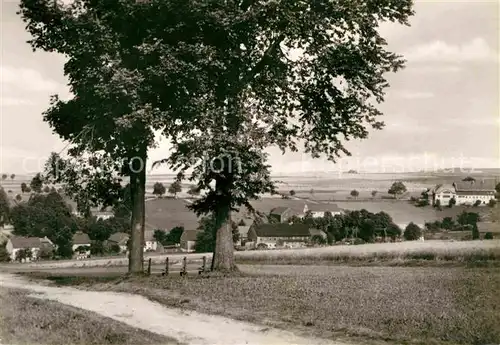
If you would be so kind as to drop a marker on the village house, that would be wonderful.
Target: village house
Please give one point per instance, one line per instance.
(464, 192)
(282, 235)
(188, 240)
(34, 244)
(489, 227)
(281, 214)
(150, 244)
(119, 239)
(81, 245)
(319, 210)
(243, 234)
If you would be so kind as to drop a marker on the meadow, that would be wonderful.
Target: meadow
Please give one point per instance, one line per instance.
(400, 253)
(367, 305)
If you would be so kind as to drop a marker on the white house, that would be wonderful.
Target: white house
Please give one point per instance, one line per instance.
(17, 243)
(120, 239)
(80, 240)
(150, 244)
(188, 240)
(464, 192)
(319, 210)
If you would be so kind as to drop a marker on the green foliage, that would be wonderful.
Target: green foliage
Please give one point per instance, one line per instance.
(468, 218)
(242, 223)
(175, 188)
(452, 202)
(46, 189)
(374, 193)
(412, 232)
(23, 187)
(193, 190)
(160, 236)
(4, 177)
(5, 211)
(19, 197)
(492, 203)
(354, 193)
(469, 179)
(448, 223)
(4, 255)
(397, 188)
(46, 253)
(36, 183)
(174, 235)
(12, 176)
(488, 236)
(475, 232)
(205, 239)
(115, 248)
(43, 215)
(159, 189)
(228, 90)
(24, 254)
(437, 204)
(28, 189)
(477, 203)
(292, 192)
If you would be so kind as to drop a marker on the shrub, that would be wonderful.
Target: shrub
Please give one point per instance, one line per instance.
(492, 203)
(477, 203)
(488, 236)
(412, 232)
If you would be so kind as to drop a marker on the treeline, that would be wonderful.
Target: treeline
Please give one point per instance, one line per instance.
(362, 225)
(48, 215)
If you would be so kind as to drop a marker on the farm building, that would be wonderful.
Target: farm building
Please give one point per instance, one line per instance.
(281, 235)
(17, 243)
(188, 240)
(81, 244)
(319, 211)
(120, 239)
(489, 227)
(281, 214)
(150, 244)
(464, 192)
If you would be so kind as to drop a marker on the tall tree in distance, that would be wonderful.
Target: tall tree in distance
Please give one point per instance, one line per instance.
(12, 176)
(4, 208)
(159, 189)
(37, 183)
(397, 188)
(4, 177)
(175, 188)
(23, 187)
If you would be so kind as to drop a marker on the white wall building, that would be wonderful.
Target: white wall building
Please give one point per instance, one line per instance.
(465, 192)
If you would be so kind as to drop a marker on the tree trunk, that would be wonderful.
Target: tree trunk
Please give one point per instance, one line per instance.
(223, 257)
(137, 191)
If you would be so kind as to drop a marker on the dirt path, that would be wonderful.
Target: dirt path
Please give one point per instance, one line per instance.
(185, 326)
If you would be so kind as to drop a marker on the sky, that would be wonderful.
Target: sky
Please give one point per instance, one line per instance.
(442, 110)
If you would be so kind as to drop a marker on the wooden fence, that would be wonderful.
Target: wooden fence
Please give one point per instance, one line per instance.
(183, 270)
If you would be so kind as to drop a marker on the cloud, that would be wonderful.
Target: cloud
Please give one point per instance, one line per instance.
(13, 101)
(414, 95)
(26, 79)
(476, 50)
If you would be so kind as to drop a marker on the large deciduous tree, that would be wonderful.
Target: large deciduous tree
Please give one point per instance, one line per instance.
(223, 80)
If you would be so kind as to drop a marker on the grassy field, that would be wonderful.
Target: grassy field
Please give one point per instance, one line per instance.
(402, 253)
(369, 304)
(26, 320)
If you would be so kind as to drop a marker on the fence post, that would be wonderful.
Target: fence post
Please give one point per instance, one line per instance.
(166, 266)
(204, 266)
(184, 264)
(149, 267)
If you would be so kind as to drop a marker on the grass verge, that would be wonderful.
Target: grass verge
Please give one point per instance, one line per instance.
(27, 320)
(396, 304)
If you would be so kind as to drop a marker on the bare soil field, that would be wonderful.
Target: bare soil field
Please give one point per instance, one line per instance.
(369, 304)
(25, 319)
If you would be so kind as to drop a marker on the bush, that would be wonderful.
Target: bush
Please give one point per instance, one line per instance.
(477, 203)
(488, 236)
(412, 232)
(492, 203)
